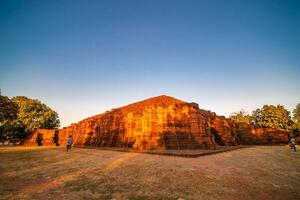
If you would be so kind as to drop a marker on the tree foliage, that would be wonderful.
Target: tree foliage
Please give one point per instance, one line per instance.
(21, 115)
(276, 117)
(34, 115)
(10, 127)
(8, 109)
(296, 120)
(240, 117)
(296, 113)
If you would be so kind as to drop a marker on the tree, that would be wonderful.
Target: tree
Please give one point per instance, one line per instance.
(256, 116)
(21, 115)
(276, 117)
(296, 114)
(10, 127)
(240, 117)
(8, 109)
(296, 120)
(34, 115)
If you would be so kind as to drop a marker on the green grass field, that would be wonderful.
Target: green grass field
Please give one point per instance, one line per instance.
(49, 173)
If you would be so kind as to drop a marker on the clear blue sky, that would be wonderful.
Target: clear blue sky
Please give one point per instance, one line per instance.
(85, 57)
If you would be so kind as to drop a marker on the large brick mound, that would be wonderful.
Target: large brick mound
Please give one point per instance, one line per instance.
(161, 122)
(157, 123)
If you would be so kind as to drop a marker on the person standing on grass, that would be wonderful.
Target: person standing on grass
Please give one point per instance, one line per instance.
(293, 144)
(69, 143)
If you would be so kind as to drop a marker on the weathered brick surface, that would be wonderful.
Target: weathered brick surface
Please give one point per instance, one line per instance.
(44, 137)
(156, 123)
(250, 134)
(159, 123)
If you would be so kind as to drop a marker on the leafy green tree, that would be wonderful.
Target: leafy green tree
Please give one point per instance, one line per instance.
(296, 114)
(256, 116)
(296, 120)
(240, 117)
(276, 117)
(10, 127)
(8, 109)
(34, 115)
(21, 115)
(13, 131)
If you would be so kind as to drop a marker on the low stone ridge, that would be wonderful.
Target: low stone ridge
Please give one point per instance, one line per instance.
(161, 122)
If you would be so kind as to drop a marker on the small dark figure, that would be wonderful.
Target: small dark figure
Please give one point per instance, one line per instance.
(69, 143)
(39, 139)
(293, 144)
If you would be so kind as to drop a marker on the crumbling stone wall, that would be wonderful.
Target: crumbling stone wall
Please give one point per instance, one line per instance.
(156, 123)
(222, 129)
(250, 134)
(159, 123)
(44, 137)
(177, 125)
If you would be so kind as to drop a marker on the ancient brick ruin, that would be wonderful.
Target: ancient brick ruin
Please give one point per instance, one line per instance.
(161, 122)
(226, 132)
(156, 123)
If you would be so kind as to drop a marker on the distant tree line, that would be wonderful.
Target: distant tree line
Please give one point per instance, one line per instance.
(20, 116)
(276, 117)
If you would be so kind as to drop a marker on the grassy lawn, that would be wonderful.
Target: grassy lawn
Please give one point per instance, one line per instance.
(49, 173)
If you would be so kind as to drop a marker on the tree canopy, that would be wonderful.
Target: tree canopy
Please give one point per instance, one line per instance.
(296, 118)
(21, 115)
(8, 109)
(240, 117)
(276, 117)
(9, 124)
(34, 115)
(296, 113)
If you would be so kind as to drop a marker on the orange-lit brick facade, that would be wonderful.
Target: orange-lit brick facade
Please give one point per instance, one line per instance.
(157, 123)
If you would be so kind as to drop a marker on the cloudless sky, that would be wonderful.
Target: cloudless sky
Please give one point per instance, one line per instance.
(85, 57)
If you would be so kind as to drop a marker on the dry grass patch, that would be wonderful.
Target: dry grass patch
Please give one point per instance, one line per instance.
(49, 173)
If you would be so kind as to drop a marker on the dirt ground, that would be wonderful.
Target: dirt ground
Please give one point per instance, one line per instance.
(261, 172)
